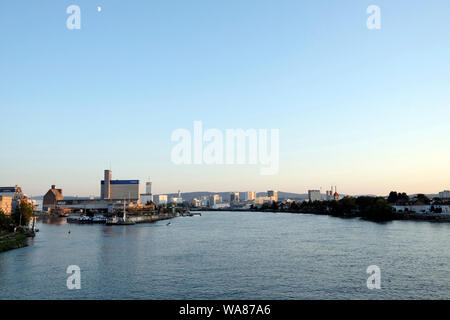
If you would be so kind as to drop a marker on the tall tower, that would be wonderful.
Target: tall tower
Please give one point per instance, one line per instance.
(148, 189)
(336, 194)
(107, 186)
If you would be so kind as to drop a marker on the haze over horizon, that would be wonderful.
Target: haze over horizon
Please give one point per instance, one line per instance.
(366, 110)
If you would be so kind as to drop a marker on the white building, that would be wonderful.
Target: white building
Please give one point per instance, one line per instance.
(273, 194)
(444, 194)
(161, 199)
(424, 209)
(146, 198)
(262, 200)
(249, 196)
(214, 200)
(176, 200)
(234, 197)
(314, 195)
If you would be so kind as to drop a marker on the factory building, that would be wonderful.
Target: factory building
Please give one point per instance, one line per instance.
(147, 197)
(161, 199)
(444, 194)
(16, 196)
(6, 204)
(51, 199)
(314, 195)
(332, 195)
(119, 189)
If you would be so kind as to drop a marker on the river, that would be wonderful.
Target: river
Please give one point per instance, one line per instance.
(232, 255)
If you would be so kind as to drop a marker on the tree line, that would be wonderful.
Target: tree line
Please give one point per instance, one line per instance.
(20, 217)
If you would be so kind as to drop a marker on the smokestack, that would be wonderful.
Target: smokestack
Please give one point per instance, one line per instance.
(107, 185)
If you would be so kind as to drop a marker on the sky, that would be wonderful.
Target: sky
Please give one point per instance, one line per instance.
(365, 110)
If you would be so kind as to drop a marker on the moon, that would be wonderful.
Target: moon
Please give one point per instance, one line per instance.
(99, 8)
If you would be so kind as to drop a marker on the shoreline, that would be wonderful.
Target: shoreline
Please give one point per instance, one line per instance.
(10, 241)
(395, 217)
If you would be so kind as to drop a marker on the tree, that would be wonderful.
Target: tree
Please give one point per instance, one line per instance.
(5, 221)
(380, 209)
(393, 197)
(422, 199)
(403, 197)
(23, 213)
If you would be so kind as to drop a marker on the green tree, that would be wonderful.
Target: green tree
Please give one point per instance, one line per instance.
(422, 199)
(380, 209)
(23, 214)
(393, 197)
(5, 221)
(403, 197)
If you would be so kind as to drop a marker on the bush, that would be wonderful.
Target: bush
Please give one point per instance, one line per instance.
(6, 222)
(23, 214)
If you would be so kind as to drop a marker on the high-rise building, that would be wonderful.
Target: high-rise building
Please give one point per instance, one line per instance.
(234, 197)
(249, 196)
(314, 195)
(273, 194)
(214, 200)
(444, 194)
(148, 188)
(147, 197)
(119, 189)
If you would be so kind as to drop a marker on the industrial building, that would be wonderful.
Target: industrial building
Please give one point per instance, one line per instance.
(161, 199)
(51, 199)
(444, 194)
(16, 196)
(314, 195)
(119, 189)
(332, 195)
(6, 204)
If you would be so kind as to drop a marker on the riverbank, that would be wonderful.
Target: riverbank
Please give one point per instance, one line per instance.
(11, 240)
(430, 217)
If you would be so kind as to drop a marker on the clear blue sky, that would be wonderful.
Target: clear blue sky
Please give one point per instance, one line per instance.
(367, 110)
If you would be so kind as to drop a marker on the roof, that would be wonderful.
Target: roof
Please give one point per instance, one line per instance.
(122, 182)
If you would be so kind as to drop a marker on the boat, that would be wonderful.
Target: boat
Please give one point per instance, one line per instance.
(115, 221)
(99, 219)
(85, 219)
(190, 214)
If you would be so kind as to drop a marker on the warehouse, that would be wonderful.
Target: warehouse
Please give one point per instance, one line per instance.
(119, 189)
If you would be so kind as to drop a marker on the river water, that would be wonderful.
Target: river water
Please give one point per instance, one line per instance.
(232, 255)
